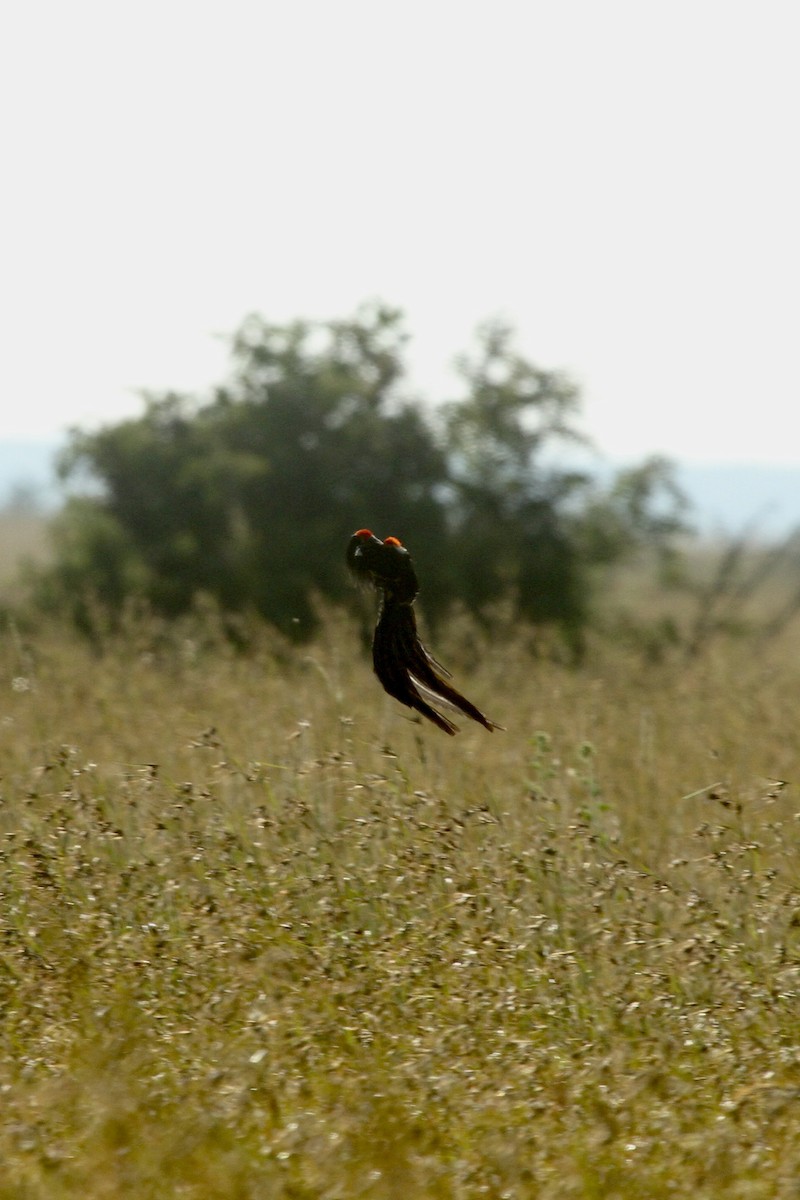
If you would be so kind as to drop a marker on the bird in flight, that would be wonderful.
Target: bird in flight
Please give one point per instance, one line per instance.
(403, 665)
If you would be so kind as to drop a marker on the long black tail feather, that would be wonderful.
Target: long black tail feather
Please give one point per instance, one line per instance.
(392, 669)
(401, 662)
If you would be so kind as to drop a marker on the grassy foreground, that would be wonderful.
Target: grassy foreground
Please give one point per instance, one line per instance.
(262, 936)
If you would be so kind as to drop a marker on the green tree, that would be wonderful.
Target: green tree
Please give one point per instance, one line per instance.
(642, 507)
(250, 494)
(513, 528)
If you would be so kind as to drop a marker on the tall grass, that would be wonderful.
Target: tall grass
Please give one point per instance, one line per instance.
(263, 936)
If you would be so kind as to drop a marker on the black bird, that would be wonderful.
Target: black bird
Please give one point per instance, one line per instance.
(401, 662)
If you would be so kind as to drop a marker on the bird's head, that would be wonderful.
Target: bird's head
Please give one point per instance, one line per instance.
(385, 564)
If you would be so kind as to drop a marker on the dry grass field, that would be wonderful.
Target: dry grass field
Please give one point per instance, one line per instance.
(264, 936)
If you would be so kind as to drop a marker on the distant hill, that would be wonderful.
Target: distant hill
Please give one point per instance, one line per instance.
(725, 497)
(27, 474)
(728, 497)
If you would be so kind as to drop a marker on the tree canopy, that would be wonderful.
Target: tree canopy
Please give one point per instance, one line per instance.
(249, 494)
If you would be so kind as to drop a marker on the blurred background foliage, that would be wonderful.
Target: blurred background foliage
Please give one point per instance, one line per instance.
(249, 494)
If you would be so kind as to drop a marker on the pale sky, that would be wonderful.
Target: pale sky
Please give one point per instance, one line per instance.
(621, 180)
